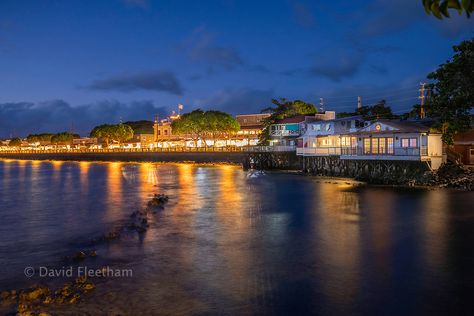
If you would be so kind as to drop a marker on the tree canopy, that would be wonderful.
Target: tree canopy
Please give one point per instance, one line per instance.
(35, 138)
(141, 127)
(64, 138)
(440, 8)
(107, 132)
(283, 108)
(15, 142)
(205, 125)
(378, 111)
(452, 97)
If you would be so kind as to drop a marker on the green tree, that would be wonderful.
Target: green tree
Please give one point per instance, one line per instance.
(122, 133)
(440, 8)
(205, 125)
(35, 138)
(64, 138)
(378, 111)
(283, 108)
(452, 97)
(141, 127)
(108, 133)
(15, 142)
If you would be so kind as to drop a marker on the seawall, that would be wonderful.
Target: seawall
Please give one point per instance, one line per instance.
(197, 157)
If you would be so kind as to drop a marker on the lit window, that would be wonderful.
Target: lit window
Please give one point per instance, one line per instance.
(409, 142)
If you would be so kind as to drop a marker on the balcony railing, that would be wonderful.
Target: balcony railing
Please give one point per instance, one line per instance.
(357, 151)
(404, 151)
(319, 151)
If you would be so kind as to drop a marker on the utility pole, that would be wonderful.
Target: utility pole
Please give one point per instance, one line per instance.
(321, 104)
(359, 102)
(422, 98)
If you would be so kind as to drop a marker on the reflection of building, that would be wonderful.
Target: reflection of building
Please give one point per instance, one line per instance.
(464, 146)
(251, 126)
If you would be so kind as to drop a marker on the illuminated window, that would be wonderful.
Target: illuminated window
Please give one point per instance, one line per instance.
(375, 146)
(409, 142)
(390, 146)
(367, 146)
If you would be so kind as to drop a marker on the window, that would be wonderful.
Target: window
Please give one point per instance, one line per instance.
(367, 146)
(345, 141)
(382, 146)
(390, 146)
(409, 142)
(317, 127)
(166, 132)
(375, 146)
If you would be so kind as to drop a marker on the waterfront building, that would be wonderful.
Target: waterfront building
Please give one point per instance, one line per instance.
(464, 146)
(145, 140)
(323, 137)
(84, 142)
(251, 126)
(285, 132)
(378, 140)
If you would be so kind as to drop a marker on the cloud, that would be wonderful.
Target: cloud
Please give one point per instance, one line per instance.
(201, 47)
(302, 13)
(238, 101)
(23, 118)
(383, 17)
(154, 80)
(143, 4)
(335, 66)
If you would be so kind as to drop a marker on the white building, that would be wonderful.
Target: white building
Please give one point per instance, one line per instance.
(352, 138)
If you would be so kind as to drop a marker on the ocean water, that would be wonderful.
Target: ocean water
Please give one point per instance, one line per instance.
(233, 243)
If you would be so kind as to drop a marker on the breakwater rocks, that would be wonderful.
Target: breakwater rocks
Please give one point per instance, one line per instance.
(33, 301)
(38, 299)
(450, 175)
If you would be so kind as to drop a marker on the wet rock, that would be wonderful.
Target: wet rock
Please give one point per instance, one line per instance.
(8, 297)
(158, 200)
(37, 293)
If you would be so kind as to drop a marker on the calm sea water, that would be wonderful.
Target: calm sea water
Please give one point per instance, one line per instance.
(228, 243)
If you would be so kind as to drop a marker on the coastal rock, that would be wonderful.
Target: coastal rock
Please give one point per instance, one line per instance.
(158, 200)
(450, 175)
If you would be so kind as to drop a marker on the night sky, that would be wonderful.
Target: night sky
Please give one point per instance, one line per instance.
(69, 65)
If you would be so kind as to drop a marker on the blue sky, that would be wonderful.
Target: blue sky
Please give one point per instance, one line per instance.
(74, 64)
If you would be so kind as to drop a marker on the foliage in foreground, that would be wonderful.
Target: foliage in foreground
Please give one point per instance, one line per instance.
(440, 8)
(453, 92)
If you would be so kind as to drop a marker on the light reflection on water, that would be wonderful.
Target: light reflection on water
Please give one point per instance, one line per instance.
(227, 243)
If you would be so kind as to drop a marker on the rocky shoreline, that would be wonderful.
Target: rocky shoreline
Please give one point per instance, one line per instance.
(449, 175)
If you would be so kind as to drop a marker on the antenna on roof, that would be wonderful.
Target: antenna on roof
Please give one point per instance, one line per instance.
(359, 102)
(321, 105)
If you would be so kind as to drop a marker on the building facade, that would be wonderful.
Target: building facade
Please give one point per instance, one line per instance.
(353, 138)
(251, 126)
